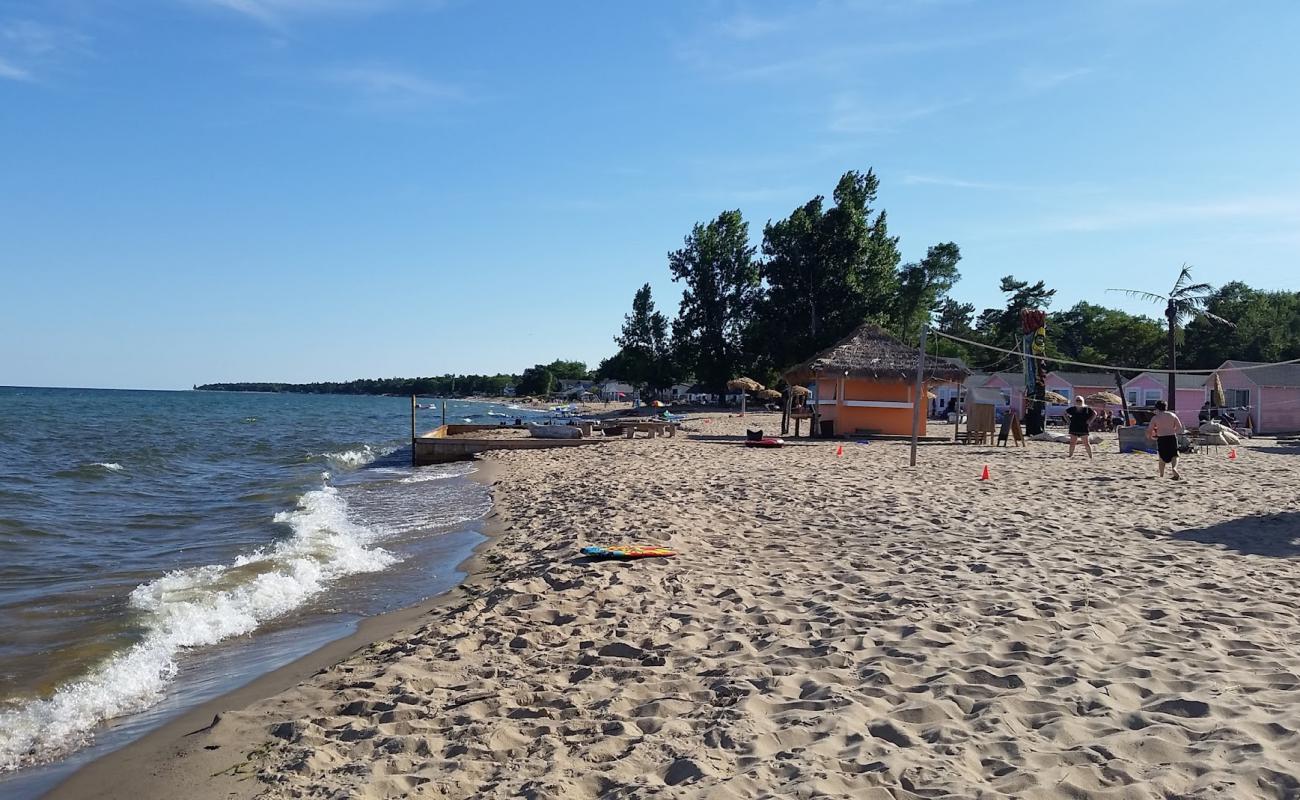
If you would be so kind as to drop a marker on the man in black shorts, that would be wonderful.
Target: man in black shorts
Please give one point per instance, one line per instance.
(1079, 416)
(1164, 429)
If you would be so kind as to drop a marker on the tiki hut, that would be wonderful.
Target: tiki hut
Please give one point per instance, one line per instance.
(865, 383)
(744, 386)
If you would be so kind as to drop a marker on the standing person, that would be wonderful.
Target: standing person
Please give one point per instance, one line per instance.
(1164, 429)
(1079, 416)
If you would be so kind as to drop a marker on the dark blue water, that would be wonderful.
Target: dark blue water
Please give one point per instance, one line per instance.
(145, 536)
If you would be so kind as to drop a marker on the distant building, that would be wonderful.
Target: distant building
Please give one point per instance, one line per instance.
(508, 391)
(615, 390)
(1147, 388)
(1080, 384)
(1270, 396)
(568, 386)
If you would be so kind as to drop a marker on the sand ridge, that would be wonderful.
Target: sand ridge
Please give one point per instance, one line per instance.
(835, 626)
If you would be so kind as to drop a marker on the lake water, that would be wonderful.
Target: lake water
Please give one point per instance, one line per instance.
(159, 548)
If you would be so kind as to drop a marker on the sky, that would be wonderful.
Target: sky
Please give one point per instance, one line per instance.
(298, 190)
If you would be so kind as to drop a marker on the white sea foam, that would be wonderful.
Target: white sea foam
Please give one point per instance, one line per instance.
(351, 459)
(192, 608)
(439, 473)
(109, 465)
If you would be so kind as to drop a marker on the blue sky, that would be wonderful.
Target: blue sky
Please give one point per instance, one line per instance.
(195, 190)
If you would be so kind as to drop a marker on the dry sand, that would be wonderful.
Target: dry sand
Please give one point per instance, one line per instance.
(835, 626)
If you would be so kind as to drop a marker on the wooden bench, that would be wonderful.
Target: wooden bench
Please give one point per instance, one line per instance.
(653, 428)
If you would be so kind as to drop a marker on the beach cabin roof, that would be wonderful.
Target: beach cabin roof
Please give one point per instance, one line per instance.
(1084, 378)
(1181, 380)
(870, 352)
(1285, 375)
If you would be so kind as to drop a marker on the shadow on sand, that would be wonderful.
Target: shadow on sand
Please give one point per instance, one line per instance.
(1276, 535)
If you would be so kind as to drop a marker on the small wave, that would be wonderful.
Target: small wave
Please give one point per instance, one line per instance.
(192, 608)
(109, 465)
(440, 473)
(358, 457)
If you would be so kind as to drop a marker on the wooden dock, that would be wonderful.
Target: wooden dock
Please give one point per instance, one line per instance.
(452, 443)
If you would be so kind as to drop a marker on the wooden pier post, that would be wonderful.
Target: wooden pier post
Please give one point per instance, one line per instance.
(413, 405)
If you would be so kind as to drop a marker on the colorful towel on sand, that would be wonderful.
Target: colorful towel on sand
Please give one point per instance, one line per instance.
(627, 551)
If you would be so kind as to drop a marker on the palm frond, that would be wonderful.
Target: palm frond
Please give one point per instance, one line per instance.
(1184, 276)
(1216, 318)
(1152, 296)
(1194, 289)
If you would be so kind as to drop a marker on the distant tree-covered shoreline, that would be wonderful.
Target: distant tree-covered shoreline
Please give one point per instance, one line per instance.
(441, 386)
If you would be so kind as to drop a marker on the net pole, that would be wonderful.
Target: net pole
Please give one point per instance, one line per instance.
(916, 395)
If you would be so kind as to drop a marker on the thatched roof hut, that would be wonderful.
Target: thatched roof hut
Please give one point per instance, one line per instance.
(744, 385)
(870, 352)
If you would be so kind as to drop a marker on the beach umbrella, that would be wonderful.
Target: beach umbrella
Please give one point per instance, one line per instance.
(744, 385)
(1106, 398)
(767, 394)
(800, 391)
(1216, 393)
(1055, 397)
(931, 396)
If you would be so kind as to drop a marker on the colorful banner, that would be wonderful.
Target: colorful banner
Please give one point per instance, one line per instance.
(1033, 323)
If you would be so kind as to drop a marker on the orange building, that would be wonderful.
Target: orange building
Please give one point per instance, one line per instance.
(865, 383)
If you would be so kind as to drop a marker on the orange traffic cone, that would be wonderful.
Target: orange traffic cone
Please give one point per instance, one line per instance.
(985, 475)
(839, 451)
(1232, 454)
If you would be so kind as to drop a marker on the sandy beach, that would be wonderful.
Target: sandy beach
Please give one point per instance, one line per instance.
(835, 625)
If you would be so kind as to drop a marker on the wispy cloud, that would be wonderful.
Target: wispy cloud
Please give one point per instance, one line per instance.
(27, 46)
(1124, 216)
(276, 12)
(852, 114)
(744, 26)
(953, 183)
(13, 73)
(1042, 80)
(386, 87)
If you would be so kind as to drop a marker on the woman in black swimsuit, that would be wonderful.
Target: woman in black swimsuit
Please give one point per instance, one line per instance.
(1079, 416)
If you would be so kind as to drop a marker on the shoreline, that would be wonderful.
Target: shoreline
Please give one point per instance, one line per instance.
(146, 760)
(835, 624)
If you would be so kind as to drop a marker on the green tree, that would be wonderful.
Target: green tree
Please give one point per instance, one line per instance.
(716, 263)
(1267, 327)
(954, 318)
(568, 370)
(1001, 326)
(826, 271)
(1185, 301)
(645, 354)
(1100, 335)
(536, 380)
(923, 287)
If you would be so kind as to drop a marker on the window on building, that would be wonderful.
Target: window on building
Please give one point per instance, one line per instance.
(1152, 395)
(1237, 398)
(1133, 398)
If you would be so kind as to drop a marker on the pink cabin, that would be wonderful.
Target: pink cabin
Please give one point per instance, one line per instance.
(1070, 384)
(1272, 394)
(1190, 393)
(1012, 387)
(1010, 384)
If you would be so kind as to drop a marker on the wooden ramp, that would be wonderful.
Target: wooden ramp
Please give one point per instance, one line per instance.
(451, 443)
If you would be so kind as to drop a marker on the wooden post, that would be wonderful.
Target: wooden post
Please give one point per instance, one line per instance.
(916, 395)
(444, 412)
(743, 395)
(413, 404)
